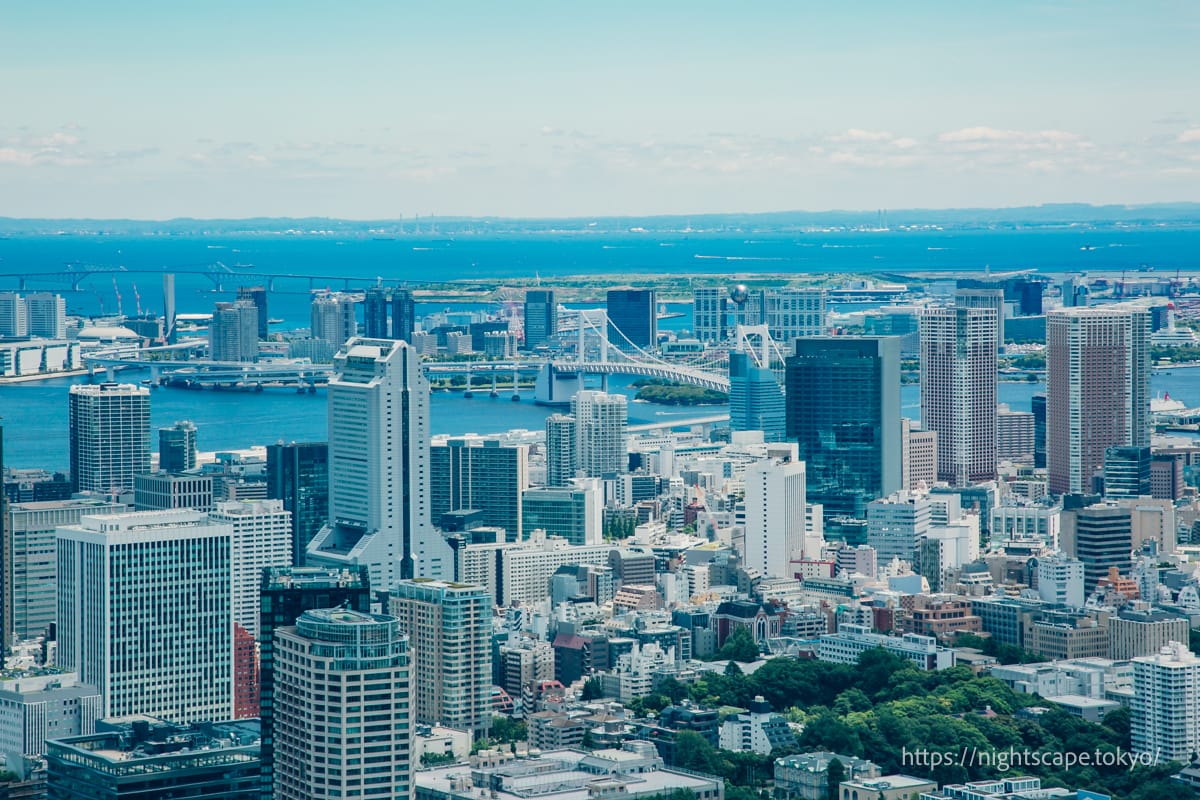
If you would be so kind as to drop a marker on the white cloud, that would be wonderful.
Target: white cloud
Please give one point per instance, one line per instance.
(1189, 136)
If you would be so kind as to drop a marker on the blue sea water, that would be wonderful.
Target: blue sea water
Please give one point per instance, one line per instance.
(35, 414)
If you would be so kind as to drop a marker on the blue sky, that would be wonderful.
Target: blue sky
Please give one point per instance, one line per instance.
(367, 110)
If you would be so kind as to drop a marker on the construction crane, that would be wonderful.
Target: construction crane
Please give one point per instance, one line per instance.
(117, 292)
(137, 300)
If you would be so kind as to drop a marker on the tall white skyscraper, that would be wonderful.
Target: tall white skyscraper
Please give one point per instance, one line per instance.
(958, 391)
(379, 507)
(47, 313)
(1166, 694)
(333, 318)
(144, 613)
(560, 449)
(109, 436)
(329, 668)
(1097, 389)
(262, 537)
(600, 422)
(774, 532)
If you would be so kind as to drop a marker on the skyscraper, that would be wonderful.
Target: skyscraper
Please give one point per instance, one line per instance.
(958, 390)
(756, 400)
(298, 474)
(262, 538)
(710, 309)
(1038, 406)
(449, 626)
(333, 318)
(774, 528)
(47, 314)
(233, 332)
(375, 313)
(541, 317)
(379, 512)
(144, 612)
(561, 458)
(256, 295)
(330, 667)
(177, 447)
(14, 316)
(1097, 389)
(480, 474)
(1127, 472)
(600, 422)
(404, 315)
(109, 436)
(285, 594)
(984, 298)
(843, 409)
(632, 318)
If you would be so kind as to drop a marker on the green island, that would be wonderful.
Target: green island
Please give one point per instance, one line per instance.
(666, 393)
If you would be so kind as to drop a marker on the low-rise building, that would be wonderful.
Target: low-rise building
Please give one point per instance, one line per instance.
(760, 730)
(806, 776)
(851, 641)
(39, 705)
(885, 787)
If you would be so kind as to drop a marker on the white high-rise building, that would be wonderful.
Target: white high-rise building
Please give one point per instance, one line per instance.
(958, 391)
(710, 312)
(774, 531)
(109, 427)
(331, 667)
(896, 525)
(262, 537)
(144, 613)
(233, 332)
(14, 318)
(600, 422)
(1166, 694)
(379, 507)
(333, 318)
(47, 314)
(1060, 580)
(560, 449)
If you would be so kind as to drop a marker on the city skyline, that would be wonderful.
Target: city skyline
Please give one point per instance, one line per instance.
(523, 111)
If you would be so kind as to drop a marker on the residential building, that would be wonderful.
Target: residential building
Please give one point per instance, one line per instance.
(600, 422)
(233, 332)
(843, 409)
(449, 626)
(918, 450)
(561, 458)
(958, 390)
(146, 757)
(632, 318)
(109, 426)
(989, 299)
(482, 474)
(1143, 631)
(1097, 389)
(404, 315)
(257, 296)
(375, 313)
(331, 667)
(1061, 581)
(774, 527)
(541, 318)
(1015, 435)
(1166, 693)
(285, 594)
(14, 316)
(524, 570)
(333, 318)
(145, 614)
(760, 730)
(379, 512)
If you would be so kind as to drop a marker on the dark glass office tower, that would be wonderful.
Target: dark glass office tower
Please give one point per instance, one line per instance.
(541, 317)
(1039, 431)
(177, 447)
(298, 474)
(1127, 472)
(843, 409)
(258, 296)
(632, 317)
(375, 313)
(404, 314)
(286, 593)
